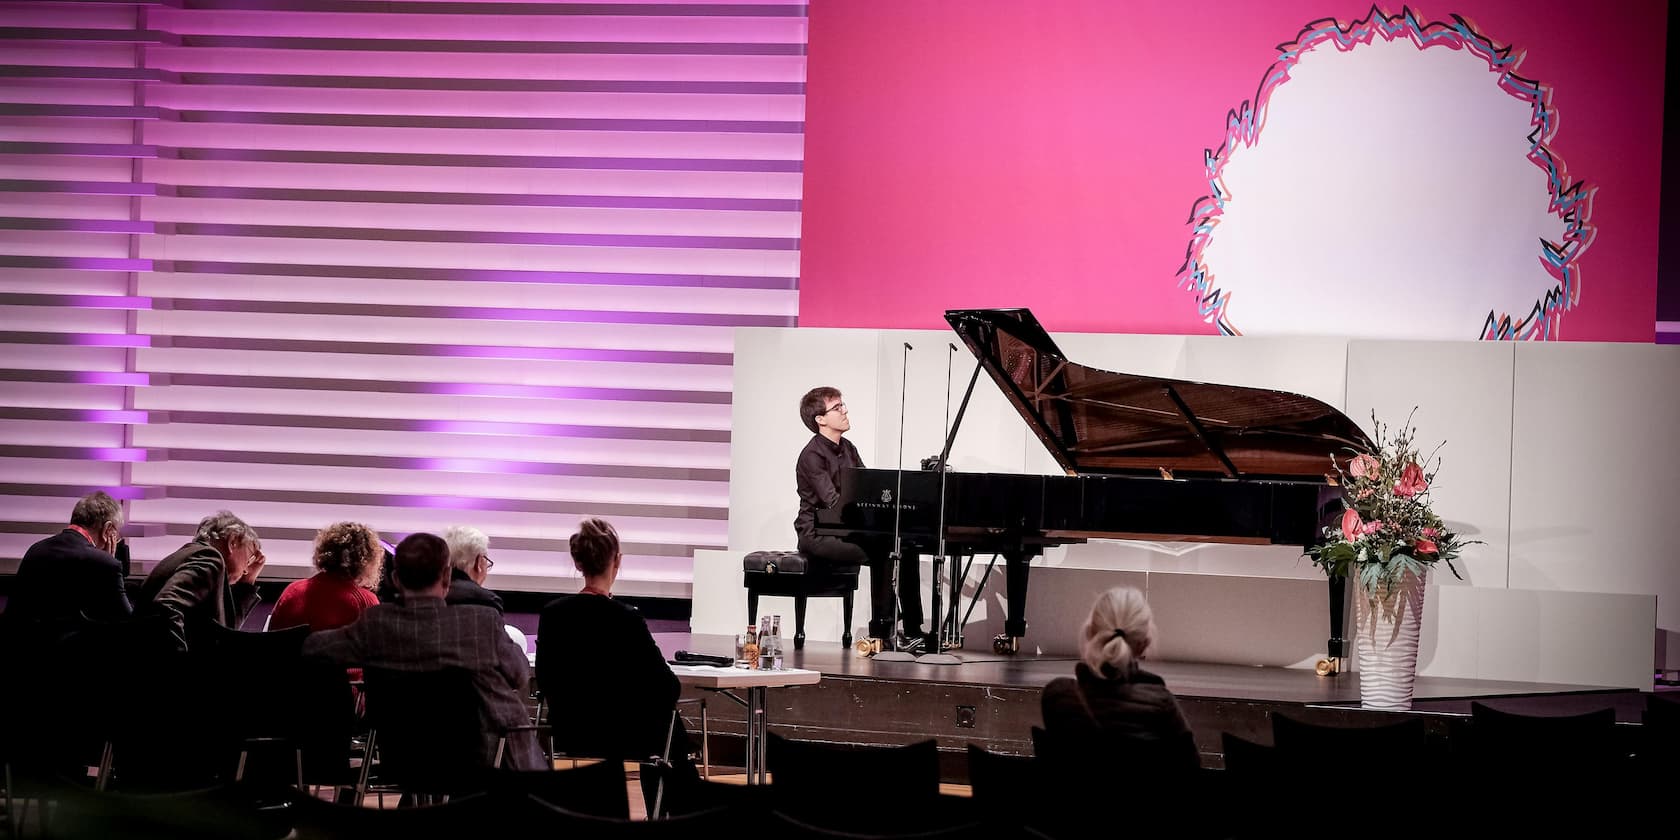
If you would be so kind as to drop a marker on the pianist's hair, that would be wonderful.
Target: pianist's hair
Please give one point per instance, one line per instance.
(594, 546)
(812, 404)
(1112, 653)
(350, 549)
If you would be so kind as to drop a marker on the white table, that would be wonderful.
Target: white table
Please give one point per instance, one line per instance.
(757, 685)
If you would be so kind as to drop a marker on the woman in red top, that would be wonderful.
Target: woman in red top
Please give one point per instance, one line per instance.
(349, 557)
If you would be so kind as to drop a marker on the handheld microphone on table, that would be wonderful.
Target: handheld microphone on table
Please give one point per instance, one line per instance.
(683, 657)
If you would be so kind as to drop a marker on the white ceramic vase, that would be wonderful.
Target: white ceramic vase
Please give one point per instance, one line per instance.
(1387, 642)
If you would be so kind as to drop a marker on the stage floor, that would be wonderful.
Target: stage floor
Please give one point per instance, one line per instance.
(992, 700)
(1185, 679)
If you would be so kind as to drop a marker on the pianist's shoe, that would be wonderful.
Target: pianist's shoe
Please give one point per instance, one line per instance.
(912, 641)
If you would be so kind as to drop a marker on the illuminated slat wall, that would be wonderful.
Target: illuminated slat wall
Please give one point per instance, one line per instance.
(414, 263)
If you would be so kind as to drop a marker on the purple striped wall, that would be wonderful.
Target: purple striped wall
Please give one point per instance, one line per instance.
(414, 263)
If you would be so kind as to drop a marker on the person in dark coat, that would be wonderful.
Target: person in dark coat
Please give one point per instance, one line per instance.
(620, 703)
(75, 573)
(1112, 712)
(211, 580)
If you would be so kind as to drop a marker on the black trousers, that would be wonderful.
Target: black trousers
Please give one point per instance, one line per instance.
(833, 553)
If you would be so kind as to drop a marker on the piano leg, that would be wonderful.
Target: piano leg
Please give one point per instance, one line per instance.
(1336, 648)
(1016, 565)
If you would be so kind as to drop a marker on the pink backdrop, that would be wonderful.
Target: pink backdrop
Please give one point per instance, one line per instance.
(976, 153)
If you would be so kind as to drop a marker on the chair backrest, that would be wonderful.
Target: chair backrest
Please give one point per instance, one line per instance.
(1246, 757)
(598, 789)
(782, 825)
(1000, 778)
(134, 665)
(1311, 746)
(307, 704)
(1109, 754)
(463, 816)
(547, 820)
(809, 779)
(1534, 745)
(225, 811)
(1009, 788)
(428, 729)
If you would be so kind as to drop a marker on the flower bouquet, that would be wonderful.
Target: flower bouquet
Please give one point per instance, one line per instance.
(1387, 527)
(1387, 541)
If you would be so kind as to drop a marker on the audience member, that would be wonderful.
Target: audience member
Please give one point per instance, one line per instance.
(420, 632)
(1112, 711)
(74, 572)
(621, 706)
(212, 579)
(469, 560)
(349, 556)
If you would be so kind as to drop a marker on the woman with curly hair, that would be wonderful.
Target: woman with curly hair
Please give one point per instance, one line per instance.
(349, 556)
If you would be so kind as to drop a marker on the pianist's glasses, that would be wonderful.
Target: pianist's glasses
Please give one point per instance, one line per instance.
(839, 406)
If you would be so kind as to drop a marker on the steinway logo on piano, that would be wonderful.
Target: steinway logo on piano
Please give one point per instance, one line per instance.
(886, 503)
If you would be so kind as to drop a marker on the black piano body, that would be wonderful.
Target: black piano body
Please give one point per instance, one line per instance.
(1145, 458)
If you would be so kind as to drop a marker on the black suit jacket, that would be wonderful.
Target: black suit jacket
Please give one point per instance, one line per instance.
(64, 575)
(463, 591)
(609, 690)
(189, 588)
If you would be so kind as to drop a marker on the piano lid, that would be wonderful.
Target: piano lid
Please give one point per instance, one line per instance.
(1099, 422)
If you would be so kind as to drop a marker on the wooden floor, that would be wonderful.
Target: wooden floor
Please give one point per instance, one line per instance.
(993, 701)
(1185, 679)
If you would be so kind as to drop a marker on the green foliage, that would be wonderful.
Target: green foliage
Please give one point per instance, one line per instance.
(1388, 527)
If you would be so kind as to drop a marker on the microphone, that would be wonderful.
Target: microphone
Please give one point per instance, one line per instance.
(683, 657)
(907, 346)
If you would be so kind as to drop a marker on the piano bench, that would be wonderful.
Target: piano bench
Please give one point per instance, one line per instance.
(789, 573)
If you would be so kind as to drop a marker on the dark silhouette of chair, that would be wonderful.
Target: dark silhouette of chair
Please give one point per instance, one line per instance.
(233, 812)
(425, 732)
(296, 713)
(714, 823)
(998, 777)
(1659, 742)
(464, 816)
(598, 789)
(124, 685)
(1078, 768)
(789, 573)
(1007, 787)
(807, 776)
(782, 825)
(1246, 757)
(661, 776)
(1544, 747)
(1315, 748)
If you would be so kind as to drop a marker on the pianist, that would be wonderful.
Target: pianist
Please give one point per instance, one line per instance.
(818, 474)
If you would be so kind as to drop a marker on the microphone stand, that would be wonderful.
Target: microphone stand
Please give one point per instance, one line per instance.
(938, 656)
(893, 654)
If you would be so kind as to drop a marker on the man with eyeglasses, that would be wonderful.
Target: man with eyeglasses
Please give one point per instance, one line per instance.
(818, 475)
(75, 571)
(469, 559)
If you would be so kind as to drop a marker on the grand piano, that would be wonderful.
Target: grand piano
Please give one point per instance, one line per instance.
(1145, 458)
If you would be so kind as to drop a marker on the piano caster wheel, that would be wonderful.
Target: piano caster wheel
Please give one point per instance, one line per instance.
(1329, 666)
(869, 646)
(1007, 645)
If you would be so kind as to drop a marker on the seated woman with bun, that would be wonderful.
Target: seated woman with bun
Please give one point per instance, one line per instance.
(1112, 716)
(609, 692)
